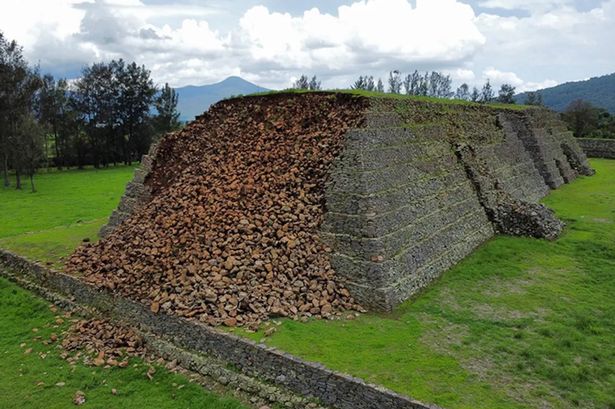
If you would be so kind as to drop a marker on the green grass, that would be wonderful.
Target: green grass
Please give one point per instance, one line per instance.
(374, 94)
(29, 380)
(67, 207)
(521, 323)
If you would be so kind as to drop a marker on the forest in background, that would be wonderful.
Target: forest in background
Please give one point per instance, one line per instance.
(109, 116)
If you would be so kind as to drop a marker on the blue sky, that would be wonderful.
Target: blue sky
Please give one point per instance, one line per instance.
(530, 44)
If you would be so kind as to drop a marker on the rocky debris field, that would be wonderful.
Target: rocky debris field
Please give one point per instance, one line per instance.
(101, 343)
(231, 233)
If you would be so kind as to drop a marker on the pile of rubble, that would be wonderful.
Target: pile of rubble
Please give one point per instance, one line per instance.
(231, 233)
(100, 343)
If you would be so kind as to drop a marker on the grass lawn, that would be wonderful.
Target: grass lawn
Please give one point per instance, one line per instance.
(39, 378)
(67, 207)
(521, 323)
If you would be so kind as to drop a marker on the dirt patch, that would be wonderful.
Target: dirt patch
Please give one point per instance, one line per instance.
(442, 336)
(498, 287)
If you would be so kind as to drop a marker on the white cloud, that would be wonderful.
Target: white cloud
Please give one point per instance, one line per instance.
(500, 77)
(557, 42)
(533, 86)
(28, 20)
(497, 78)
(184, 43)
(366, 36)
(461, 75)
(533, 5)
(434, 31)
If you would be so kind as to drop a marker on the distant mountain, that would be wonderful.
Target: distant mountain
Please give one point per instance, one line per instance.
(194, 100)
(600, 91)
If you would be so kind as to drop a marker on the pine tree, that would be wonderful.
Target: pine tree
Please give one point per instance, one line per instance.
(506, 94)
(314, 84)
(360, 83)
(486, 94)
(534, 98)
(370, 84)
(302, 83)
(475, 96)
(167, 119)
(463, 92)
(395, 82)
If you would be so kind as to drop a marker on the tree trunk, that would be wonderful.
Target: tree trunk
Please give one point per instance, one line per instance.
(57, 146)
(5, 170)
(127, 146)
(32, 183)
(18, 180)
(46, 151)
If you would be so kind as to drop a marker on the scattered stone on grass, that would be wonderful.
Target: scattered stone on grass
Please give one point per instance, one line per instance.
(101, 343)
(79, 398)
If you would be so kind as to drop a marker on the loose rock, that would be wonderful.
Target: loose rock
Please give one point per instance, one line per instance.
(230, 235)
(103, 343)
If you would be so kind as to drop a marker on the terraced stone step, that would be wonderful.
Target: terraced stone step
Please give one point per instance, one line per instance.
(386, 243)
(390, 296)
(373, 283)
(352, 203)
(376, 138)
(358, 159)
(380, 180)
(378, 223)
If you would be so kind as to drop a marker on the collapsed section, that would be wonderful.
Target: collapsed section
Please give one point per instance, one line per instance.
(230, 232)
(298, 205)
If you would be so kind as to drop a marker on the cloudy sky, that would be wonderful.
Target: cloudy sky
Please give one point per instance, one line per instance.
(528, 43)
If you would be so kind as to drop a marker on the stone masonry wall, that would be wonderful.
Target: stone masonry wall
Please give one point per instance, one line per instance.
(136, 194)
(598, 148)
(396, 200)
(554, 150)
(422, 185)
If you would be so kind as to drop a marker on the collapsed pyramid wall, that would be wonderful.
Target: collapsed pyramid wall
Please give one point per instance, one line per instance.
(229, 234)
(411, 189)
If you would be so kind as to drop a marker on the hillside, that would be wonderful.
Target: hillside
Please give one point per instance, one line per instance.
(600, 91)
(194, 100)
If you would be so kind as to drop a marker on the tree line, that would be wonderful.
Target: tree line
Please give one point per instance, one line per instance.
(582, 118)
(437, 85)
(429, 84)
(588, 121)
(105, 117)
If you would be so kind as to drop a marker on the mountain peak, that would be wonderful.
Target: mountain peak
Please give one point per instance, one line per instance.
(234, 78)
(193, 100)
